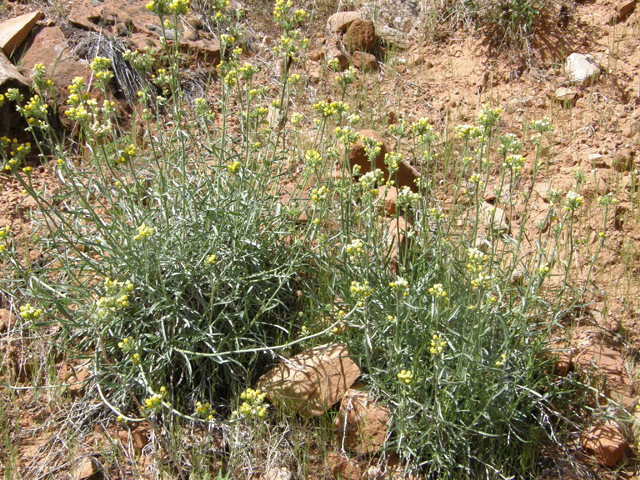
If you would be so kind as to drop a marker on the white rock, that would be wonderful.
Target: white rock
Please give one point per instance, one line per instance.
(582, 69)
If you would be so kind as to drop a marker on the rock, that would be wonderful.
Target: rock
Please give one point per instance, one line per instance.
(343, 60)
(569, 161)
(365, 61)
(139, 437)
(563, 364)
(344, 468)
(566, 96)
(622, 160)
(389, 195)
(314, 72)
(361, 35)
(85, 469)
(315, 55)
(339, 22)
(406, 174)
(361, 424)
(401, 68)
(605, 361)
(50, 48)
(191, 34)
(597, 160)
(606, 442)
(312, 382)
(10, 77)
(281, 473)
(393, 36)
(582, 69)
(395, 239)
(6, 320)
(493, 218)
(15, 30)
(415, 59)
(624, 8)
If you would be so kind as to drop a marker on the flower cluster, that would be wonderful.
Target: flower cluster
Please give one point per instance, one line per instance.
(541, 126)
(210, 259)
(477, 260)
(368, 183)
(355, 249)
(393, 161)
(100, 66)
(127, 154)
(437, 345)
(28, 312)
(406, 376)
(35, 111)
(326, 109)
(234, 166)
(361, 291)
(162, 8)
(205, 410)
(607, 200)
(489, 116)
(347, 78)
(144, 231)
(509, 143)
(406, 198)
(467, 131)
(481, 281)
(313, 160)
(543, 270)
(253, 404)
(400, 285)
(514, 163)
(438, 292)
(155, 402)
(18, 152)
(573, 201)
(140, 61)
(319, 194)
(346, 135)
(372, 148)
(116, 298)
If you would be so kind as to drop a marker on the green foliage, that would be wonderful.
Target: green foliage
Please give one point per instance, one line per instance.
(514, 19)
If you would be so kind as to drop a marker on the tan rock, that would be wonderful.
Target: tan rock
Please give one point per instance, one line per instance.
(315, 55)
(606, 442)
(85, 469)
(312, 382)
(415, 59)
(566, 96)
(624, 8)
(314, 72)
(361, 424)
(361, 35)
(492, 217)
(139, 437)
(339, 22)
(15, 30)
(365, 61)
(280, 473)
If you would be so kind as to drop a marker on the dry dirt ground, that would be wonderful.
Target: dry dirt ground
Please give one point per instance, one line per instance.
(460, 72)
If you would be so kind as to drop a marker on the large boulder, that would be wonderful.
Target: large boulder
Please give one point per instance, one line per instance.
(312, 382)
(606, 442)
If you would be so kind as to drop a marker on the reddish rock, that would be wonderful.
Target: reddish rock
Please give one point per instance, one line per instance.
(361, 35)
(315, 55)
(388, 195)
(365, 61)
(15, 30)
(566, 96)
(339, 22)
(361, 424)
(85, 469)
(624, 8)
(314, 72)
(622, 160)
(49, 47)
(6, 320)
(336, 53)
(344, 468)
(608, 363)
(606, 442)
(406, 174)
(312, 382)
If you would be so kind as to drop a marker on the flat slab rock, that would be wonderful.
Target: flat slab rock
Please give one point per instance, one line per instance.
(15, 30)
(606, 442)
(310, 383)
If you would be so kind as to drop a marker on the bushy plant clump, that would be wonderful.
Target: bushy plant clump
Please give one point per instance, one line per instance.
(179, 261)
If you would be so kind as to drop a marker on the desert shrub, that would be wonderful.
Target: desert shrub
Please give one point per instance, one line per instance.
(184, 259)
